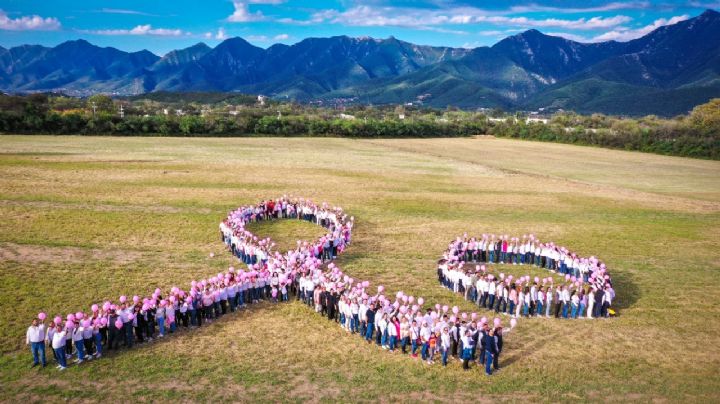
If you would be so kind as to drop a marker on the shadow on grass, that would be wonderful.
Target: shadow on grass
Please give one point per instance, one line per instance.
(627, 291)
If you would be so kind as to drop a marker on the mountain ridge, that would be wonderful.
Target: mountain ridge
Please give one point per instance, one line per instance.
(526, 70)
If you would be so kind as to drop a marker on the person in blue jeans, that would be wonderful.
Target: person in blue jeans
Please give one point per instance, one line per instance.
(58, 345)
(414, 337)
(445, 344)
(36, 339)
(425, 340)
(98, 342)
(370, 314)
(77, 338)
(490, 351)
(467, 347)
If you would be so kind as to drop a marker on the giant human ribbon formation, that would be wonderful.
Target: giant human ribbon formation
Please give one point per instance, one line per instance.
(273, 276)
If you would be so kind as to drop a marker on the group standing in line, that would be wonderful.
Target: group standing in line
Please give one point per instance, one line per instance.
(397, 323)
(586, 292)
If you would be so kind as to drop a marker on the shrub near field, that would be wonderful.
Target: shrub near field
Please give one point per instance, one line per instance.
(696, 135)
(84, 219)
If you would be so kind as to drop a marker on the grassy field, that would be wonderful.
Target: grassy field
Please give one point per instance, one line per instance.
(87, 218)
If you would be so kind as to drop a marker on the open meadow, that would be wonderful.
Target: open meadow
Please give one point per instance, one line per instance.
(83, 219)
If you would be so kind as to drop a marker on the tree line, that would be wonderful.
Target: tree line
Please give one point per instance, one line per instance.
(694, 135)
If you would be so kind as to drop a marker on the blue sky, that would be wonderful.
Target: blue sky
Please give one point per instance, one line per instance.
(161, 25)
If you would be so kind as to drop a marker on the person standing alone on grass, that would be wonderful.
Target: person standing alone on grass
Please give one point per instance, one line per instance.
(35, 337)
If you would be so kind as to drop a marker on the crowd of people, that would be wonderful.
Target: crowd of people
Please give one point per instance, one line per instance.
(586, 291)
(397, 323)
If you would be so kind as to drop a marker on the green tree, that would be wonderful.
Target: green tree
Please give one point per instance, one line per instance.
(101, 103)
(706, 117)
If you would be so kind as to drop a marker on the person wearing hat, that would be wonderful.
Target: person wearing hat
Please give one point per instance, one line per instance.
(35, 337)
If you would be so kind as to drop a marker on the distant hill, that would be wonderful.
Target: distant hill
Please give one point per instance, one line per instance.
(666, 72)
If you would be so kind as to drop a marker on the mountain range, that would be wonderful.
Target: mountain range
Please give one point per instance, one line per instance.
(666, 72)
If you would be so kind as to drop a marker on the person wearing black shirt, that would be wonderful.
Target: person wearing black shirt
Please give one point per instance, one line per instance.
(455, 339)
(332, 305)
(370, 314)
(499, 340)
(490, 351)
(481, 340)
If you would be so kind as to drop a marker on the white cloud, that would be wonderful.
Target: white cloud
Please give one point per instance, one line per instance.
(418, 18)
(491, 33)
(471, 45)
(578, 24)
(139, 30)
(257, 38)
(28, 23)
(281, 37)
(242, 11)
(572, 37)
(221, 34)
(443, 30)
(124, 11)
(623, 34)
(614, 6)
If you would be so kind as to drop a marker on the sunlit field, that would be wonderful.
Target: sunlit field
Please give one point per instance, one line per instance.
(84, 219)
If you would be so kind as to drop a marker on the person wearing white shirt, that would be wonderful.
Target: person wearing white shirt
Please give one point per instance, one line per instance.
(548, 300)
(467, 344)
(491, 294)
(591, 302)
(382, 330)
(77, 338)
(445, 344)
(87, 335)
(48, 338)
(521, 303)
(575, 301)
(565, 300)
(35, 337)
(414, 337)
(607, 301)
(362, 310)
(533, 299)
(126, 312)
(232, 295)
(392, 333)
(482, 292)
(355, 319)
(58, 345)
(425, 340)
